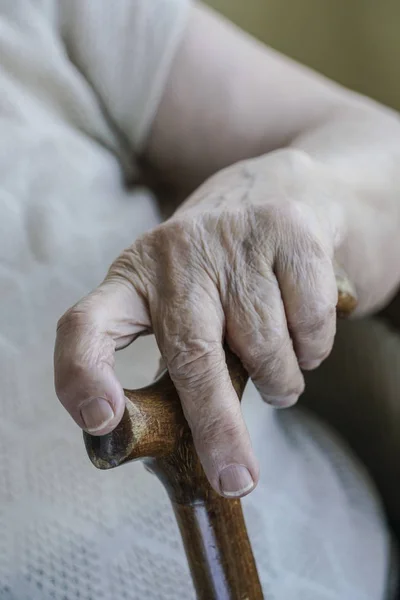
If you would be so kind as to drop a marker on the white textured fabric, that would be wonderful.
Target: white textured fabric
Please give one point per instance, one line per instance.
(68, 531)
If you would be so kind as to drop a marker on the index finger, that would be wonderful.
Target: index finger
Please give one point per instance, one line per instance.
(87, 337)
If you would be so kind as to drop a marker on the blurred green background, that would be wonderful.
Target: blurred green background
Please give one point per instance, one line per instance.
(355, 42)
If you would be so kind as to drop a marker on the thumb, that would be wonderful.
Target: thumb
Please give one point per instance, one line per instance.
(88, 335)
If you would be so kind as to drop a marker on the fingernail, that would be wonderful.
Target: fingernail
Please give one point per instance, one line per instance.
(96, 414)
(235, 481)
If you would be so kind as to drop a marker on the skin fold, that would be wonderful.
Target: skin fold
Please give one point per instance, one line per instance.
(282, 172)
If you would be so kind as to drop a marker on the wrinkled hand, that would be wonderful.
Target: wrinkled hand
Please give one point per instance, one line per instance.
(248, 259)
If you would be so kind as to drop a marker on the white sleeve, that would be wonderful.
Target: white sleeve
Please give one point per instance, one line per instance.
(124, 48)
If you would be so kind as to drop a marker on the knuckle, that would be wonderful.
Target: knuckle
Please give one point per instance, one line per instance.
(178, 232)
(197, 365)
(169, 252)
(266, 360)
(76, 350)
(298, 230)
(286, 214)
(71, 320)
(322, 319)
(290, 161)
(131, 268)
(82, 316)
(126, 262)
(271, 373)
(211, 432)
(272, 369)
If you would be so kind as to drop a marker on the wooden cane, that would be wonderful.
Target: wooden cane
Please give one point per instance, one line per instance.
(213, 530)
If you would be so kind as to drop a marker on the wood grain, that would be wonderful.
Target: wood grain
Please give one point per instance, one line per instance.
(213, 530)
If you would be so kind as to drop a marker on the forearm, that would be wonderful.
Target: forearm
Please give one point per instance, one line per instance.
(229, 98)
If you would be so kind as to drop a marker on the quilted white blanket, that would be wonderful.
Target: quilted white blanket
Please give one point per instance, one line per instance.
(68, 531)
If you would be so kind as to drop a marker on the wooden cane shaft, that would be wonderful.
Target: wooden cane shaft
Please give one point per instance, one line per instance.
(218, 550)
(213, 530)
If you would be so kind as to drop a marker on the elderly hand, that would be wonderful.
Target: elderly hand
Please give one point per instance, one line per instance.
(247, 259)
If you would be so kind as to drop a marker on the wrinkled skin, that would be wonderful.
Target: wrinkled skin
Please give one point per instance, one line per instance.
(248, 259)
